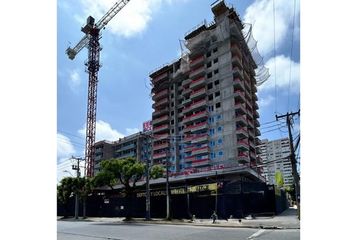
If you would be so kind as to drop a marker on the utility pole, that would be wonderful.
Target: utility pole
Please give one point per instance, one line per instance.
(148, 159)
(288, 117)
(216, 195)
(77, 168)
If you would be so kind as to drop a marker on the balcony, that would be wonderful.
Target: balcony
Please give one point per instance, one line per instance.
(198, 72)
(237, 73)
(158, 137)
(256, 105)
(188, 138)
(188, 149)
(161, 128)
(241, 133)
(160, 78)
(186, 101)
(241, 120)
(256, 114)
(159, 155)
(255, 98)
(246, 77)
(162, 119)
(160, 146)
(160, 95)
(258, 142)
(197, 61)
(249, 114)
(186, 82)
(200, 162)
(256, 123)
(247, 85)
(254, 88)
(126, 147)
(195, 105)
(252, 146)
(196, 116)
(159, 112)
(197, 83)
(251, 134)
(160, 103)
(189, 159)
(242, 145)
(238, 84)
(197, 127)
(250, 124)
(258, 150)
(236, 59)
(186, 91)
(253, 156)
(258, 133)
(198, 93)
(243, 158)
(240, 96)
(200, 150)
(235, 49)
(240, 108)
(200, 138)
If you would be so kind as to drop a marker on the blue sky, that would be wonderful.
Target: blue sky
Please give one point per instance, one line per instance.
(144, 36)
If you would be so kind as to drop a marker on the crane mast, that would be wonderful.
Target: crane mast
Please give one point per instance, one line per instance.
(91, 41)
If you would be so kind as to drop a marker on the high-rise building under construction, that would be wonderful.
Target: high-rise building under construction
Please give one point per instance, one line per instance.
(205, 104)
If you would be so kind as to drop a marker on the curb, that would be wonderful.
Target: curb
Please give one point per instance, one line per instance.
(180, 223)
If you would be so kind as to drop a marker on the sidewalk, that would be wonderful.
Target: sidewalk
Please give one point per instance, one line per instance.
(286, 220)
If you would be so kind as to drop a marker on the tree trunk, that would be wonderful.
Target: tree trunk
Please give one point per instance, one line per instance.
(84, 207)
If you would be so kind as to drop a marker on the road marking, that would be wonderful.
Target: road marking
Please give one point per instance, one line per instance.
(256, 234)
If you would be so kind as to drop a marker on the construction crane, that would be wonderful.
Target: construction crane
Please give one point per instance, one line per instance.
(91, 41)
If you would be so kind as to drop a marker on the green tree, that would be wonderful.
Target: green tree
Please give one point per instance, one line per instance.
(126, 171)
(65, 190)
(279, 179)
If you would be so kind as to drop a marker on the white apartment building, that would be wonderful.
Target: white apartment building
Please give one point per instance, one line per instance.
(275, 158)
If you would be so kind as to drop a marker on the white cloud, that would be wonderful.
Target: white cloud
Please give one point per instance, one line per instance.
(74, 79)
(131, 20)
(263, 102)
(130, 131)
(260, 14)
(65, 148)
(104, 131)
(282, 74)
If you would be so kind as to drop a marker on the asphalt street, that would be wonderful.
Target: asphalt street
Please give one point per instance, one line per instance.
(70, 230)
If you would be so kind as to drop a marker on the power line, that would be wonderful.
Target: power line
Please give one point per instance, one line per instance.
(71, 134)
(291, 54)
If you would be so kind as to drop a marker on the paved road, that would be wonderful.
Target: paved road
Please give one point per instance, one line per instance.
(67, 230)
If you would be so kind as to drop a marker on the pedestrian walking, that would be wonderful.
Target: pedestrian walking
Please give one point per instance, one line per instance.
(214, 216)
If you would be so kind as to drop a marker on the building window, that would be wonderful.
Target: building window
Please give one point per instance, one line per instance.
(215, 50)
(219, 117)
(210, 97)
(217, 94)
(211, 108)
(211, 132)
(219, 141)
(218, 105)
(211, 119)
(220, 129)
(216, 82)
(209, 75)
(212, 143)
(215, 60)
(208, 65)
(216, 71)
(220, 153)
(210, 86)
